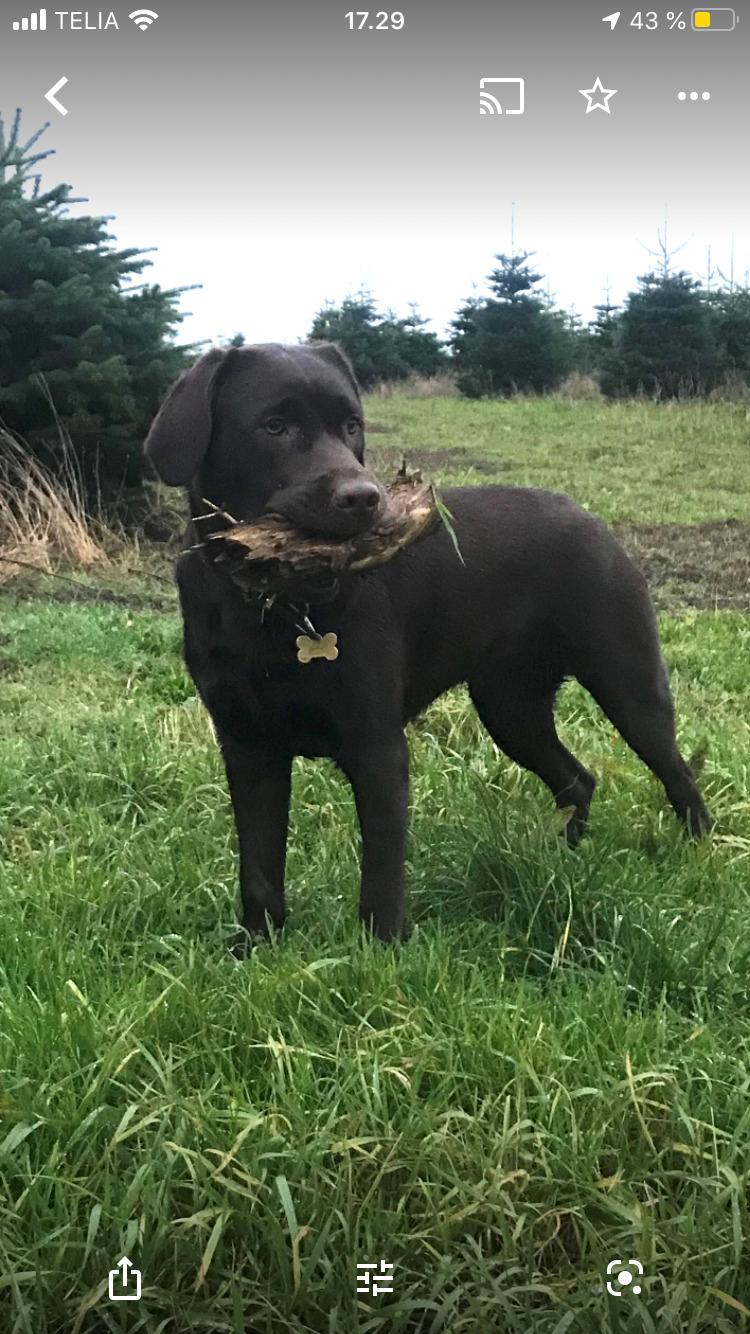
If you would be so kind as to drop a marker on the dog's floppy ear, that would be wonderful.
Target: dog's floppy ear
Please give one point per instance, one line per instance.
(335, 356)
(181, 430)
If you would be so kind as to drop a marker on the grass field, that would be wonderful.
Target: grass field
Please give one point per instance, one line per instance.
(553, 1072)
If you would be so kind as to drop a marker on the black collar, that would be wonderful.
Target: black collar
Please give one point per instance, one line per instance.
(276, 605)
(271, 605)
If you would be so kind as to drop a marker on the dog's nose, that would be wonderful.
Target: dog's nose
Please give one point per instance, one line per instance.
(357, 497)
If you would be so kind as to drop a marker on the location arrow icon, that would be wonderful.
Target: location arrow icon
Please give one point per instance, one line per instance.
(50, 96)
(612, 19)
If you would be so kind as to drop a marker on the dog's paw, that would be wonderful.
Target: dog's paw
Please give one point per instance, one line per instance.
(247, 937)
(241, 945)
(575, 819)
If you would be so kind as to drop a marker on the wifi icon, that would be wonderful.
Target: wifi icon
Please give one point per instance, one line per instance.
(143, 18)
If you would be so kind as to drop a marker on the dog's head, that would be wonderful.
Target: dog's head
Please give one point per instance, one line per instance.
(270, 430)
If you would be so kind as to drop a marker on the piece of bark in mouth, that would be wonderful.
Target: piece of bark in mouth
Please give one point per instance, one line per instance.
(271, 554)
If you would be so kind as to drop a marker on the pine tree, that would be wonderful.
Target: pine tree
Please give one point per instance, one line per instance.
(665, 344)
(512, 340)
(352, 325)
(730, 309)
(380, 347)
(579, 341)
(602, 336)
(604, 326)
(79, 345)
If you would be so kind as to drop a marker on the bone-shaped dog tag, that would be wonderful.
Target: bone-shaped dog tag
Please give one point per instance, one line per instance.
(325, 647)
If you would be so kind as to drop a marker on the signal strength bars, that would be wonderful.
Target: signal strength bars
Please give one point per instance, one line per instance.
(34, 23)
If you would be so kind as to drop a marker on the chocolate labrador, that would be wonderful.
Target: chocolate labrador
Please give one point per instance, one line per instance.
(541, 590)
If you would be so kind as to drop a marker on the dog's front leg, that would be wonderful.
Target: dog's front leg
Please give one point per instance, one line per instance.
(259, 780)
(379, 774)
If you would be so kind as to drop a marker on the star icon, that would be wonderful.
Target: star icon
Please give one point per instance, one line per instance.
(597, 97)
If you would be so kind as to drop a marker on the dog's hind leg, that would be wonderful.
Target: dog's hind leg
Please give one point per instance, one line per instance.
(522, 723)
(643, 714)
(622, 667)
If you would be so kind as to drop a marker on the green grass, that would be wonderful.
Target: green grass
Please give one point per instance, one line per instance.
(648, 462)
(552, 1072)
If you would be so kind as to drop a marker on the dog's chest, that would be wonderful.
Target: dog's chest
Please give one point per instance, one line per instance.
(258, 686)
(249, 675)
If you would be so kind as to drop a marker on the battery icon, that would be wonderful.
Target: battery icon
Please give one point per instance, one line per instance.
(714, 20)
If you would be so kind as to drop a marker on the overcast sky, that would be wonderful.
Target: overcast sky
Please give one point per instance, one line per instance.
(281, 160)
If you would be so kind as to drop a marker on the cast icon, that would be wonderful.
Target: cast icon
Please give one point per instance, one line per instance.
(501, 97)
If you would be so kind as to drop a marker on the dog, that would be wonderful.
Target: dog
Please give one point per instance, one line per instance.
(538, 590)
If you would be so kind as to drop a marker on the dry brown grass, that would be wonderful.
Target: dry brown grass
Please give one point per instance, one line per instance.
(419, 386)
(579, 386)
(734, 388)
(43, 519)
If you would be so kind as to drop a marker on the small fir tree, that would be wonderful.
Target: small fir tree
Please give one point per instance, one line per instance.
(730, 310)
(665, 344)
(512, 340)
(80, 346)
(380, 347)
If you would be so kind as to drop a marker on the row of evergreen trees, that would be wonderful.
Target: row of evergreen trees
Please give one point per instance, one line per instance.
(86, 346)
(671, 338)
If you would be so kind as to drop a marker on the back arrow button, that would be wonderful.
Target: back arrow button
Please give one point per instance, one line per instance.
(50, 96)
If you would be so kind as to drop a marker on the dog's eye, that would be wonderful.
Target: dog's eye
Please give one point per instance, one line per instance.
(353, 425)
(274, 425)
